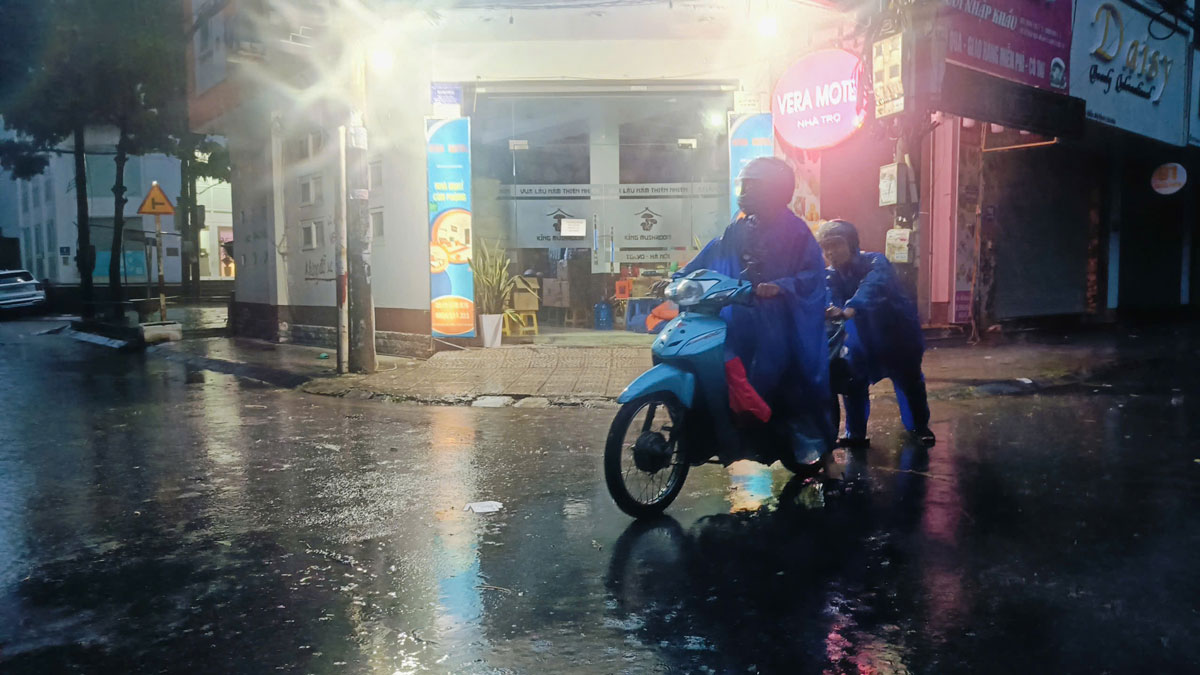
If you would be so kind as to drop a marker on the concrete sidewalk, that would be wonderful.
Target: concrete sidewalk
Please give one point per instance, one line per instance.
(543, 375)
(540, 375)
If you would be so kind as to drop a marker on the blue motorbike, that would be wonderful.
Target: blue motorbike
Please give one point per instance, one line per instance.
(676, 415)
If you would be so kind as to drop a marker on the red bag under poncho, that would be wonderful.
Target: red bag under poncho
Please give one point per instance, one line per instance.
(743, 399)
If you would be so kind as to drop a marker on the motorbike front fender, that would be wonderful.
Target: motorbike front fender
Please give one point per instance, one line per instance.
(663, 377)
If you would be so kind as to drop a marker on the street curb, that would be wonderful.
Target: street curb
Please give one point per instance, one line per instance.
(272, 376)
(99, 340)
(974, 390)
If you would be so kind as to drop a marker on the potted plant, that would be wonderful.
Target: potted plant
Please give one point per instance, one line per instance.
(493, 285)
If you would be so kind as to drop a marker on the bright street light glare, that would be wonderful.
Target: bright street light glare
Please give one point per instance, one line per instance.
(767, 26)
(715, 120)
(382, 60)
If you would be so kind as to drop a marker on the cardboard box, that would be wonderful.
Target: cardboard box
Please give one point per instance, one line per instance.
(530, 282)
(573, 269)
(642, 285)
(556, 293)
(524, 301)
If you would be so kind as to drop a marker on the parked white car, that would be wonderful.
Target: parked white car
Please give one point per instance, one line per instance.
(19, 290)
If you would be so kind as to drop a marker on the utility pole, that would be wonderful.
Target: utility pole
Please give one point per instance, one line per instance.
(362, 307)
(339, 260)
(196, 213)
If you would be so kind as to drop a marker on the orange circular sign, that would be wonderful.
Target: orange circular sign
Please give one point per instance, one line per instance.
(1168, 179)
(452, 230)
(452, 315)
(439, 258)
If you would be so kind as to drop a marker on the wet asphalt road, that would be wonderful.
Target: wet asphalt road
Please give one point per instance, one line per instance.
(156, 519)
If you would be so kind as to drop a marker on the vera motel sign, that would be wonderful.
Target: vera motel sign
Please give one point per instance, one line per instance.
(818, 102)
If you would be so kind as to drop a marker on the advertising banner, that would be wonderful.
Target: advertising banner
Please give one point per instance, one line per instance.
(451, 284)
(1131, 68)
(1019, 40)
(750, 137)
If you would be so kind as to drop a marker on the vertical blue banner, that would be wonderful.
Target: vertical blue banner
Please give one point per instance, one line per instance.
(451, 283)
(750, 137)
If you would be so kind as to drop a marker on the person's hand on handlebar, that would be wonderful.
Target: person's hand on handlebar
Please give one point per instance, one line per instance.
(658, 288)
(834, 312)
(767, 290)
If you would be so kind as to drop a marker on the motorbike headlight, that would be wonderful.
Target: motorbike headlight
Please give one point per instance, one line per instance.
(685, 292)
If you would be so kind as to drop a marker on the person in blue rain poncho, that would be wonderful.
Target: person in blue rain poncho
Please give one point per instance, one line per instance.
(883, 332)
(780, 338)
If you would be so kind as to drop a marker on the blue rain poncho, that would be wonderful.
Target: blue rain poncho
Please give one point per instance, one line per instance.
(884, 338)
(780, 340)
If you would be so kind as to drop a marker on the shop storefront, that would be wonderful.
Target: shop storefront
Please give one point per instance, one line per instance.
(1028, 207)
(601, 192)
(585, 188)
(998, 244)
(599, 163)
(1130, 63)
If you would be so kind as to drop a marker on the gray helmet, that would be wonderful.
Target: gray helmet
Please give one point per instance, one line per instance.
(771, 171)
(843, 229)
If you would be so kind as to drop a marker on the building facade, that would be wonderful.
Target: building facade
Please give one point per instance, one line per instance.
(41, 213)
(1031, 195)
(44, 218)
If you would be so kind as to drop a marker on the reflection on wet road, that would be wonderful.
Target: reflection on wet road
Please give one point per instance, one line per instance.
(158, 519)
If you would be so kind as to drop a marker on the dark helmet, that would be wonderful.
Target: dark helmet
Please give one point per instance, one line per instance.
(843, 229)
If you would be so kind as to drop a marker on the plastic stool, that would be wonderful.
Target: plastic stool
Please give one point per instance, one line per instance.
(530, 325)
(576, 318)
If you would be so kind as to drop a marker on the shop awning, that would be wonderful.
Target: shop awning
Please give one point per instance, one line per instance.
(980, 96)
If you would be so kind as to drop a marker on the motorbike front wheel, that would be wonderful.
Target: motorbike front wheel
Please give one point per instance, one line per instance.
(644, 461)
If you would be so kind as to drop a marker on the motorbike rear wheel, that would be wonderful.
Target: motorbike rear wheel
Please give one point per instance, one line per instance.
(645, 463)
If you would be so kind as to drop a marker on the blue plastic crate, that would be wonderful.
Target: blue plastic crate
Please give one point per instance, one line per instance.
(636, 312)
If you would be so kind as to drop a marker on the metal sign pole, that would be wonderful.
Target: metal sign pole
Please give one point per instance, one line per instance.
(157, 205)
(162, 282)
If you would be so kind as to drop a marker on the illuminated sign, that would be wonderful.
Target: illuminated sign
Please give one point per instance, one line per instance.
(818, 102)
(1168, 179)
(1130, 69)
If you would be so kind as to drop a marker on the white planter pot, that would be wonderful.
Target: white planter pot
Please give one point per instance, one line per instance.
(491, 325)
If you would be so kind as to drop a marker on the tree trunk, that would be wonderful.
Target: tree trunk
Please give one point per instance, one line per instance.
(195, 233)
(84, 260)
(116, 290)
